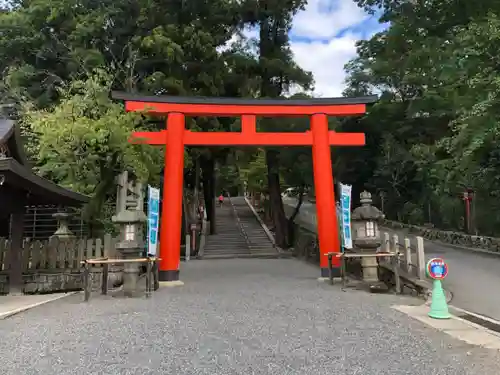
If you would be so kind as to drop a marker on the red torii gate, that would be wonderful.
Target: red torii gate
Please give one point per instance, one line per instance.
(176, 137)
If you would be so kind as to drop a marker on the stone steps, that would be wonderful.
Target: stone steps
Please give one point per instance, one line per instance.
(259, 242)
(229, 241)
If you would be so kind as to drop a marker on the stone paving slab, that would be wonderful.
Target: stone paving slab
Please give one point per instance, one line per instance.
(239, 316)
(456, 327)
(11, 305)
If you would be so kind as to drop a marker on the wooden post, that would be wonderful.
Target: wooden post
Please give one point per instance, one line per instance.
(104, 286)
(343, 270)
(156, 280)
(330, 267)
(86, 281)
(148, 278)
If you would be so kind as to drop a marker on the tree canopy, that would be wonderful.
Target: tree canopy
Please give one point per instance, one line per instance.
(431, 135)
(436, 122)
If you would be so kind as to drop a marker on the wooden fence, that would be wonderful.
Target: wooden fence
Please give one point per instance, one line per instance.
(56, 254)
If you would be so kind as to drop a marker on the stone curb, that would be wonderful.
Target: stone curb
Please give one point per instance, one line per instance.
(441, 243)
(28, 307)
(465, 248)
(461, 329)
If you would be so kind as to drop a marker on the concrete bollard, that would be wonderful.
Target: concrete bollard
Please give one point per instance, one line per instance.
(187, 256)
(387, 242)
(420, 258)
(408, 262)
(395, 243)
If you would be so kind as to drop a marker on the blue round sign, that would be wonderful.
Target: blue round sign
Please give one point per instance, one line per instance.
(437, 269)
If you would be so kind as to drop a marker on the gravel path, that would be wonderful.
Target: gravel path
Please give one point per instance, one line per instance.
(235, 317)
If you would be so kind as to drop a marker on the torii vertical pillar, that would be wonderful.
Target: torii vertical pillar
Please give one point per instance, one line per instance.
(171, 211)
(326, 213)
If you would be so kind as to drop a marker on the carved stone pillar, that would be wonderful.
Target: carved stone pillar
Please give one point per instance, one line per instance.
(131, 219)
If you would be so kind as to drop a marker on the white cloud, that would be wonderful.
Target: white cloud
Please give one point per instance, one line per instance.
(323, 39)
(246, 34)
(324, 19)
(326, 61)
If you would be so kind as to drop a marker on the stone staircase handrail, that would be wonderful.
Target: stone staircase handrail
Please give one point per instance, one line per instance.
(240, 226)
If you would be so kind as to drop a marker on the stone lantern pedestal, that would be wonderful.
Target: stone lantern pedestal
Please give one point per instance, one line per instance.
(63, 232)
(130, 246)
(366, 235)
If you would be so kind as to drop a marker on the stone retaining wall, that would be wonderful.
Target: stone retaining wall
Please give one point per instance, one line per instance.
(305, 244)
(449, 237)
(60, 281)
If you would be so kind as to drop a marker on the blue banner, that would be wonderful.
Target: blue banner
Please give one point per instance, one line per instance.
(153, 219)
(345, 205)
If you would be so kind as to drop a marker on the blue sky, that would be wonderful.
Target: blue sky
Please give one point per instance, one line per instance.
(323, 40)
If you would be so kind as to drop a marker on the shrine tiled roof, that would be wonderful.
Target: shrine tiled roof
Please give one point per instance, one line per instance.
(17, 172)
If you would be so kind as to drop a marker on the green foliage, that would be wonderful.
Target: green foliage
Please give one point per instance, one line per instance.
(255, 173)
(435, 128)
(83, 142)
(50, 50)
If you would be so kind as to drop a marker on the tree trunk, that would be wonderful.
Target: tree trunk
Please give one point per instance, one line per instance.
(291, 220)
(208, 170)
(278, 213)
(94, 210)
(269, 44)
(196, 193)
(213, 227)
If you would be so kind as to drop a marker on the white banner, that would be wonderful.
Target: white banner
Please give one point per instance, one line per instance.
(153, 219)
(345, 204)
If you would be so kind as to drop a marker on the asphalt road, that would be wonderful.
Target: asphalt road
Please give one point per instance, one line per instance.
(241, 317)
(473, 277)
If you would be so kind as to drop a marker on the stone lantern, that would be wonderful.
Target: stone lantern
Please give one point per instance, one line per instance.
(63, 232)
(131, 244)
(366, 234)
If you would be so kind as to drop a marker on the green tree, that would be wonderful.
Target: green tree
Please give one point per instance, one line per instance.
(278, 72)
(434, 67)
(83, 143)
(148, 46)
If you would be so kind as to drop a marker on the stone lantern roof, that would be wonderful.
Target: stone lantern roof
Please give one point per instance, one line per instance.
(366, 211)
